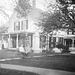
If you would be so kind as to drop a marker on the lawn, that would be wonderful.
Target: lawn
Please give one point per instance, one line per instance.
(8, 54)
(59, 62)
(15, 72)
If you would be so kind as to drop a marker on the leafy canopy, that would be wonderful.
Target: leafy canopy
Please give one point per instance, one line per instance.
(62, 17)
(23, 7)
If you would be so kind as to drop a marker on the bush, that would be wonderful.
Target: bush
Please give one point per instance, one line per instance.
(63, 47)
(60, 46)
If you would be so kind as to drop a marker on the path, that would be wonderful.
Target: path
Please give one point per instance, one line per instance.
(41, 71)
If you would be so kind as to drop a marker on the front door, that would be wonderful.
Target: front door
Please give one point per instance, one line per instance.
(68, 42)
(13, 42)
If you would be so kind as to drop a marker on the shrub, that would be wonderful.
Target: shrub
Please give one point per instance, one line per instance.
(64, 48)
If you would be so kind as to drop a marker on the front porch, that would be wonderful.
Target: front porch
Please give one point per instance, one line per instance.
(69, 40)
(15, 39)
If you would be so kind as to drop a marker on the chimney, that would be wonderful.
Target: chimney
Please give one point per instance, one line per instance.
(33, 3)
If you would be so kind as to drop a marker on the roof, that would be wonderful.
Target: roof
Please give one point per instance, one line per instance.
(35, 14)
(18, 32)
(68, 36)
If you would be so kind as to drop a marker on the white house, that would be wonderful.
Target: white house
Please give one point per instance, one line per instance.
(24, 28)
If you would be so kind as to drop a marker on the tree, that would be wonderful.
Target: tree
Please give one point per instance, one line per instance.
(52, 19)
(23, 7)
(67, 8)
(61, 17)
(51, 22)
(3, 29)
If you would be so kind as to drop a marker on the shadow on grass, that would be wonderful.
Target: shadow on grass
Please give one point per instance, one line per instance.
(15, 72)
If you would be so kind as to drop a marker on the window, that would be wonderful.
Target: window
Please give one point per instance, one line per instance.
(51, 39)
(24, 24)
(17, 25)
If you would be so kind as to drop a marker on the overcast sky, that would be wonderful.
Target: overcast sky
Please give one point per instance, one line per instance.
(8, 6)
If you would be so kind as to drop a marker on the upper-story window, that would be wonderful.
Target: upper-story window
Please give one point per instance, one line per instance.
(21, 25)
(24, 24)
(17, 25)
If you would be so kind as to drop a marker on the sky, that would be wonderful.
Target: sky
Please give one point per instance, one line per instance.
(8, 6)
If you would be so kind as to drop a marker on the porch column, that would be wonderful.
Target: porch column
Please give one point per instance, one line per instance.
(2, 37)
(72, 42)
(9, 42)
(17, 41)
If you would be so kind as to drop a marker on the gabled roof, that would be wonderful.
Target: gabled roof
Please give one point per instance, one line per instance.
(35, 14)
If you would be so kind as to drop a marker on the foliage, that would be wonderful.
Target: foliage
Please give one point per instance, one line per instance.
(3, 29)
(67, 8)
(62, 17)
(52, 19)
(23, 7)
(65, 48)
(51, 22)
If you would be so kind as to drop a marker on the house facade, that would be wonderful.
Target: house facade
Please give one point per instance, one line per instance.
(65, 38)
(22, 30)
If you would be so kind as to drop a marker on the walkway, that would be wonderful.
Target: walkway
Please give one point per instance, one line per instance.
(41, 71)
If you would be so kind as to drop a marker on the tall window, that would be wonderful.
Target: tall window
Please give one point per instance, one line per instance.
(16, 26)
(24, 24)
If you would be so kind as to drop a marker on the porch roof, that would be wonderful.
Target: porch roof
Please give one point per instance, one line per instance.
(68, 36)
(65, 36)
(18, 32)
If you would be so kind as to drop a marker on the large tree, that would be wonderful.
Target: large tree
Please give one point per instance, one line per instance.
(67, 8)
(61, 17)
(23, 7)
(3, 29)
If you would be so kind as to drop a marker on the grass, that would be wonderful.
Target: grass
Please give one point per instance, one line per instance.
(8, 54)
(59, 62)
(15, 72)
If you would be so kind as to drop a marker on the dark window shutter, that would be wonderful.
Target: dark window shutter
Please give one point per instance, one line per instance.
(19, 25)
(26, 24)
(14, 26)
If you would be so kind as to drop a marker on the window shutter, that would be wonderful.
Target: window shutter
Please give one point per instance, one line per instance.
(26, 24)
(19, 25)
(14, 26)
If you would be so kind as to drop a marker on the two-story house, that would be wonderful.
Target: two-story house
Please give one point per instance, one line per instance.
(22, 29)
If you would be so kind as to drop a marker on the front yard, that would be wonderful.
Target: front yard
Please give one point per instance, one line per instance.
(59, 62)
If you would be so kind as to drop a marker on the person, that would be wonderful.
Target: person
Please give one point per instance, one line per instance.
(22, 51)
(27, 48)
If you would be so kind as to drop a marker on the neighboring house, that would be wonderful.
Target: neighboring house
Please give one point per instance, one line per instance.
(63, 38)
